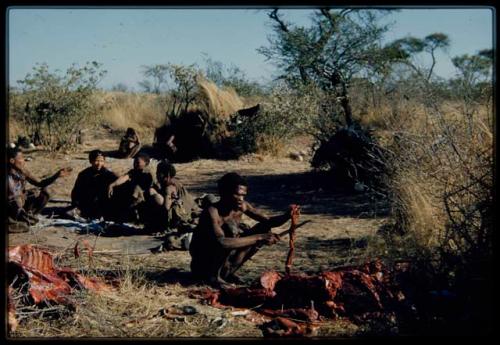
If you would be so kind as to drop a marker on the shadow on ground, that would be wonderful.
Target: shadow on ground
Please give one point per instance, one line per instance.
(312, 190)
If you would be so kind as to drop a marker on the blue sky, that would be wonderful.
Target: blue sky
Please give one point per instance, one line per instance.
(125, 39)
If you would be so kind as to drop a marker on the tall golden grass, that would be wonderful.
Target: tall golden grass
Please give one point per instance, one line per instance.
(143, 112)
(437, 151)
(218, 102)
(146, 112)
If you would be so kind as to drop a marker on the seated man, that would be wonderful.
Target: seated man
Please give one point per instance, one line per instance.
(127, 204)
(222, 243)
(23, 204)
(172, 208)
(90, 193)
(130, 144)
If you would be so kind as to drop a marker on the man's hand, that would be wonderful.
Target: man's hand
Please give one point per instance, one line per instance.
(243, 207)
(110, 191)
(172, 147)
(270, 238)
(293, 211)
(65, 171)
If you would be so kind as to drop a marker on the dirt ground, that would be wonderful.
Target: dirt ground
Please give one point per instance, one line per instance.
(340, 222)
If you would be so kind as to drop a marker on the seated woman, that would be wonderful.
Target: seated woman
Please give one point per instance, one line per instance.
(130, 144)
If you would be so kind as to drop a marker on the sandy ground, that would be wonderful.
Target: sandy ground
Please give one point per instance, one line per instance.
(339, 221)
(337, 218)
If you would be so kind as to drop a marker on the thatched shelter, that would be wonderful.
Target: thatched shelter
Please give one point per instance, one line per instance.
(202, 130)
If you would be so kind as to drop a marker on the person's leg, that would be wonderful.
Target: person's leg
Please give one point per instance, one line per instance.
(94, 209)
(35, 202)
(15, 207)
(120, 203)
(17, 213)
(154, 216)
(240, 256)
(15, 226)
(207, 266)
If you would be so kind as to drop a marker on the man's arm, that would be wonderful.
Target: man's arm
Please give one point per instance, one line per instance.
(233, 243)
(254, 213)
(119, 181)
(171, 194)
(272, 222)
(48, 181)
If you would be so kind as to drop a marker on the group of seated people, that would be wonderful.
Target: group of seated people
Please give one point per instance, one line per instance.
(211, 228)
(98, 193)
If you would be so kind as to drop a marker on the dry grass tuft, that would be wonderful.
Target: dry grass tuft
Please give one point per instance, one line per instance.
(218, 102)
(437, 152)
(270, 145)
(141, 307)
(419, 210)
(140, 111)
(14, 130)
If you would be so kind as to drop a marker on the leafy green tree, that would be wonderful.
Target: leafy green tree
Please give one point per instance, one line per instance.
(474, 69)
(185, 91)
(473, 83)
(156, 78)
(56, 105)
(337, 46)
(404, 50)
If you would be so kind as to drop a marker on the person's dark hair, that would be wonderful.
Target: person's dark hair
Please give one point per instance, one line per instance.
(165, 168)
(130, 131)
(229, 182)
(12, 152)
(144, 156)
(94, 154)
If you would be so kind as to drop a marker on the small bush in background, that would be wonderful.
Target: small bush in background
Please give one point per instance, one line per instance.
(286, 114)
(53, 107)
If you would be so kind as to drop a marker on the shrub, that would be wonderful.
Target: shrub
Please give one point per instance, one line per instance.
(286, 114)
(55, 106)
(352, 155)
(442, 183)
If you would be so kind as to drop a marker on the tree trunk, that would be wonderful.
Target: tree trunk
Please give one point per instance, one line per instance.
(346, 105)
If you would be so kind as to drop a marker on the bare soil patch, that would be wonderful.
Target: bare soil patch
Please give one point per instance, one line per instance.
(336, 235)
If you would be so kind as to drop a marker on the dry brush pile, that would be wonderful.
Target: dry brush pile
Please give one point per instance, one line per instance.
(440, 183)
